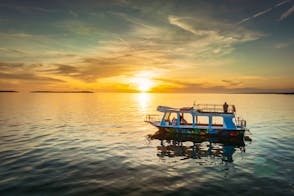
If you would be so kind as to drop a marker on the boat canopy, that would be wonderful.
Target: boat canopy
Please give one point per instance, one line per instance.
(200, 108)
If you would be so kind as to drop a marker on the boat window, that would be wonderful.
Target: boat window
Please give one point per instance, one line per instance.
(217, 121)
(167, 115)
(173, 118)
(202, 120)
(187, 119)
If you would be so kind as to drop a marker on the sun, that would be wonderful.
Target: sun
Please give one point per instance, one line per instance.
(143, 84)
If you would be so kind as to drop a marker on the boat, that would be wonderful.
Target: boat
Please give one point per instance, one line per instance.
(201, 119)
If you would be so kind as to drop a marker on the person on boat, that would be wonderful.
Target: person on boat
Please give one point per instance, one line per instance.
(174, 121)
(225, 107)
(182, 120)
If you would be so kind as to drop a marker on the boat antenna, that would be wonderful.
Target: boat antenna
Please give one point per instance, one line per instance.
(194, 104)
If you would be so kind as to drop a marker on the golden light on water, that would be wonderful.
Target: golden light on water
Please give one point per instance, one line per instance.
(143, 99)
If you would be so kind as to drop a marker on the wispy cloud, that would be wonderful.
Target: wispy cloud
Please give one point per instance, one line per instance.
(23, 8)
(12, 51)
(283, 44)
(21, 71)
(282, 3)
(229, 86)
(177, 22)
(265, 12)
(212, 37)
(232, 83)
(287, 13)
(261, 13)
(27, 76)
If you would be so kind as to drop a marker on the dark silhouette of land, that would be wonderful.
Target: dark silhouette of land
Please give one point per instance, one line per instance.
(62, 92)
(40, 91)
(8, 91)
(270, 93)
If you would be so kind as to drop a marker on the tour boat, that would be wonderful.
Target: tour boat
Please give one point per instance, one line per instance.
(201, 119)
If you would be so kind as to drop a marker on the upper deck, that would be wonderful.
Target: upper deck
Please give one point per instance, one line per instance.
(201, 108)
(215, 108)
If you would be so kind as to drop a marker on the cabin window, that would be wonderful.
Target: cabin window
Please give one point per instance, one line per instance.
(171, 118)
(187, 119)
(217, 121)
(202, 120)
(167, 115)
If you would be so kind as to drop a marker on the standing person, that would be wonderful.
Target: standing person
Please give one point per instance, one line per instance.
(225, 106)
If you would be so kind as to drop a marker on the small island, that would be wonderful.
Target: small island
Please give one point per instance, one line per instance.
(62, 92)
(8, 91)
(274, 93)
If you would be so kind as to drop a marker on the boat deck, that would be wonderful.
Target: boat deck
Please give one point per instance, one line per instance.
(215, 108)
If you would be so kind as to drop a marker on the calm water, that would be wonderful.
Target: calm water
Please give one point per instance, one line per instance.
(96, 144)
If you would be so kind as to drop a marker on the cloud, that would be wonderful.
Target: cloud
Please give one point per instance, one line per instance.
(261, 13)
(25, 9)
(119, 61)
(73, 13)
(180, 86)
(8, 66)
(61, 69)
(27, 76)
(12, 51)
(255, 15)
(210, 37)
(232, 83)
(284, 44)
(132, 20)
(15, 35)
(177, 86)
(264, 12)
(287, 13)
(177, 22)
(22, 71)
(282, 3)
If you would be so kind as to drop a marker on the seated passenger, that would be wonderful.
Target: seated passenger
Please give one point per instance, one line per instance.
(183, 121)
(174, 121)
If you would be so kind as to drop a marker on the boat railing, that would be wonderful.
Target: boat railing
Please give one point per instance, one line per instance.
(216, 108)
(241, 123)
(152, 118)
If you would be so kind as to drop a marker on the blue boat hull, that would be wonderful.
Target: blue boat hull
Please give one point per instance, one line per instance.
(204, 132)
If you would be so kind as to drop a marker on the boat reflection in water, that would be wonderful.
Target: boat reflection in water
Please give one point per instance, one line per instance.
(190, 146)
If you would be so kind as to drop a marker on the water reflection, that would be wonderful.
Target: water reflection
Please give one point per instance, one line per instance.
(210, 150)
(143, 99)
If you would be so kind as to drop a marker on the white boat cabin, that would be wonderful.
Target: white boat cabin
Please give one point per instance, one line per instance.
(202, 116)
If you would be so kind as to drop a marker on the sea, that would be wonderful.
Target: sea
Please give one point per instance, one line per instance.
(98, 144)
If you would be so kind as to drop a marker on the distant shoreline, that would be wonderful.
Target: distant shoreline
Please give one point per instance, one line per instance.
(62, 92)
(268, 93)
(8, 91)
(256, 93)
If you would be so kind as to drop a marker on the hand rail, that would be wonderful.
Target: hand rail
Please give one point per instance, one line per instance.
(151, 118)
(241, 122)
(218, 108)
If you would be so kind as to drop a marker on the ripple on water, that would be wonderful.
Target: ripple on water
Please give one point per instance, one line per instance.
(77, 145)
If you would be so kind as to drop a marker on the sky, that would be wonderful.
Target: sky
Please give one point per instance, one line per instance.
(176, 46)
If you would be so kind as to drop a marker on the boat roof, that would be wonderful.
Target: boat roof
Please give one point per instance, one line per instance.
(200, 108)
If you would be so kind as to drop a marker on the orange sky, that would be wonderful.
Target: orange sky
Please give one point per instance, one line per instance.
(130, 46)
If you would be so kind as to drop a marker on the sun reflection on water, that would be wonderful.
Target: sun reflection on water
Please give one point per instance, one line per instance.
(143, 99)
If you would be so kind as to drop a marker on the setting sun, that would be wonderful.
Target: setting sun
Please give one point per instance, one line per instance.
(143, 84)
